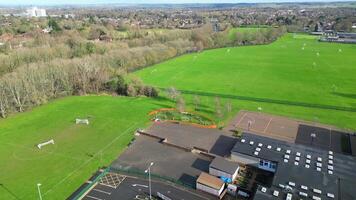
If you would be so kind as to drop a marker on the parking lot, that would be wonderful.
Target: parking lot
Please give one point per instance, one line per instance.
(168, 161)
(132, 188)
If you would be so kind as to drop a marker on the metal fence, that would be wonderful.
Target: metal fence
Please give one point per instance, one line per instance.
(80, 193)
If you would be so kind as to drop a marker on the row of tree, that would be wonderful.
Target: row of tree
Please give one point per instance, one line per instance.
(34, 85)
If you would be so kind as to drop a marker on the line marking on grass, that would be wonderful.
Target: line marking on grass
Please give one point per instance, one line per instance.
(90, 159)
(34, 150)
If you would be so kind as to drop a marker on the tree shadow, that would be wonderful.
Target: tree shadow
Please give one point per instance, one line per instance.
(346, 95)
(274, 101)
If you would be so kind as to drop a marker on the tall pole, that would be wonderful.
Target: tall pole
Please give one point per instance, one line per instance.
(149, 178)
(39, 191)
(149, 181)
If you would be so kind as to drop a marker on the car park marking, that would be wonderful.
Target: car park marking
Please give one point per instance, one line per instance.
(102, 191)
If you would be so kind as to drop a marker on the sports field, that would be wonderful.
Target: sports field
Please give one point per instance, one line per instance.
(295, 76)
(78, 150)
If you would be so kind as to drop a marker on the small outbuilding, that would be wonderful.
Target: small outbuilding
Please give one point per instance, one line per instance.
(210, 184)
(221, 167)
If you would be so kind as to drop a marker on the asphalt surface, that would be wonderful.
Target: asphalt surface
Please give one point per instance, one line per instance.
(133, 188)
(169, 161)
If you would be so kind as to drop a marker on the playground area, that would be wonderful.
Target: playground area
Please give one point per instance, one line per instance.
(266, 125)
(293, 131)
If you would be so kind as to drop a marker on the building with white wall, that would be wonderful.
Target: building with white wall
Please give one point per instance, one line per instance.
(210, 184)
(36, 12)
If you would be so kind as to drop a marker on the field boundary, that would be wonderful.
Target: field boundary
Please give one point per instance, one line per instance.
(90, 159)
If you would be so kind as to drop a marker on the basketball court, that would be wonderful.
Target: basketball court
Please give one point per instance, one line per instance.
(266, 125)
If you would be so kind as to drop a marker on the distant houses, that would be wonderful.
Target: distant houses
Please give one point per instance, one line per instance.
(339, 37)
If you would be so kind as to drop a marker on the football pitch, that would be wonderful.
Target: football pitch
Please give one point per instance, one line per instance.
(295, 76)
(78, 151)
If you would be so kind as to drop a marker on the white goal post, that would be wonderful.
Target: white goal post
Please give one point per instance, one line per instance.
(45, 143)
(82, 121)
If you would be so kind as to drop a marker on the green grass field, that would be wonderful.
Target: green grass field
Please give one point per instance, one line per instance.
(294, 76)
(78, 151)
(281, 78)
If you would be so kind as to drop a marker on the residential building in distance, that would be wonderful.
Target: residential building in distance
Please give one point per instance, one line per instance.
(36, 12)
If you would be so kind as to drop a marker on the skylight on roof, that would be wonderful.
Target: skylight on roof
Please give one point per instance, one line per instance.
(264, 190)
(275, 193)
(330, 195)
(291, 183)
(316, 191)
(303, 194)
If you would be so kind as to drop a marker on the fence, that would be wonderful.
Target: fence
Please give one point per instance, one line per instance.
(86, 187)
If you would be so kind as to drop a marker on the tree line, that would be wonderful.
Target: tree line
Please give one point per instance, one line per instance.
(71, 65)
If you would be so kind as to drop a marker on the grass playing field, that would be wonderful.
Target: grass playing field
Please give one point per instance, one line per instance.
(78, 150)
(281, 78)
(296, 76)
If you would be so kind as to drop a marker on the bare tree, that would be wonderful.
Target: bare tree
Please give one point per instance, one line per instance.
(180, 104)
(4, 104)
(218, 111)
(228, 106)
(173, 93)
(196, 101)
(17, 91)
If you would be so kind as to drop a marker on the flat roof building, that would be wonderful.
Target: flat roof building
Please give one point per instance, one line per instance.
(210, 184)
(221, 167)
(299, 171)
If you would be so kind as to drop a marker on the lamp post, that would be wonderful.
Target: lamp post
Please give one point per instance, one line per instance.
(39, 191)
(148, 170)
